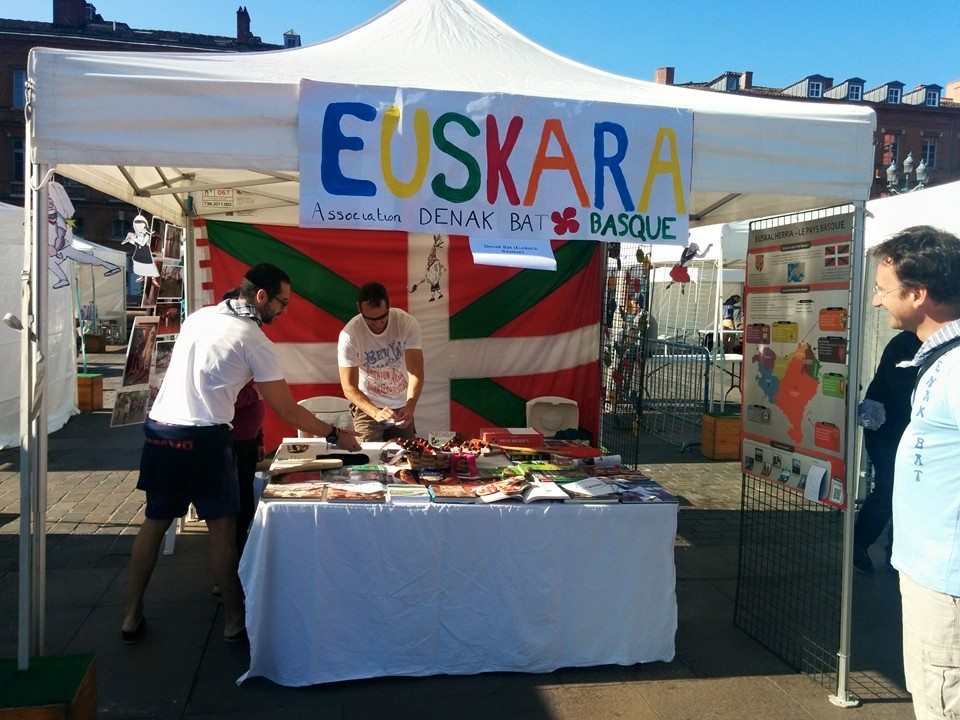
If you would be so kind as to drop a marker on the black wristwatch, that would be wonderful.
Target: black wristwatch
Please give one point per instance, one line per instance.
(334, 435)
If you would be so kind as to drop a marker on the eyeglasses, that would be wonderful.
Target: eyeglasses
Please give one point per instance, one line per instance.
(376, 319)
(283, 301)
(883, 293)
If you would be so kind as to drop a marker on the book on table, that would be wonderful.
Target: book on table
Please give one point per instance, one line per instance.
(641, 490)
(456, 493)
(294, 491)
(356, 492)
(589, 490)
(402, 493)
(507, 489)
(358, 474)
(544, 492)
(303, 454)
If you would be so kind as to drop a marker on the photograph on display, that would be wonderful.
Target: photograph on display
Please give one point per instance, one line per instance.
(169, 316)
(162, 355)
(151, 288)
(172, 241)
(140, 351)
(171, 281)
(130, 407)
(156, 236)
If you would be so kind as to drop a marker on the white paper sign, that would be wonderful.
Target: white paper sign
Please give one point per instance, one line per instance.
(492, 165)
(811, 490)
(531, 254)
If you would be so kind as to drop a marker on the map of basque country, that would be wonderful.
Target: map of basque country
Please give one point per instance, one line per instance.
(789, 382)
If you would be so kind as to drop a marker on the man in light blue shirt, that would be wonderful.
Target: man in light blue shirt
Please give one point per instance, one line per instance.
(918, 283)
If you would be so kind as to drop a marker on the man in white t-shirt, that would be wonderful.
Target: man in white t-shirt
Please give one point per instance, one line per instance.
(187, 454)
(380, 356)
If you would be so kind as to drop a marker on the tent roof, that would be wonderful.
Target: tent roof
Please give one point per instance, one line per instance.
(167, 121)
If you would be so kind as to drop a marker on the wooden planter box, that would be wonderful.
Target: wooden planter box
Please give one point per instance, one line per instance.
(51, 688)
(720, 436)
(89, 392)
(94, 343)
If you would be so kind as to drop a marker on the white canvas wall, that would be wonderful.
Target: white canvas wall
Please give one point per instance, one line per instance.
(62, 360)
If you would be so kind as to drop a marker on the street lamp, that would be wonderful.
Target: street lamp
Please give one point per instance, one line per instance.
(893, 179)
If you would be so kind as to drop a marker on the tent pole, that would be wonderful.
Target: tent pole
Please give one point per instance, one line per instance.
(844, 698)
(33, 417)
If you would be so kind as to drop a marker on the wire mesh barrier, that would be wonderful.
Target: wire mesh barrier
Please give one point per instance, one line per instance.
(788, 592)
(623, 337)
(675, 391)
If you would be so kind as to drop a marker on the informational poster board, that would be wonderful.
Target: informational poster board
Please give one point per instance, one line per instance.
(797, 305)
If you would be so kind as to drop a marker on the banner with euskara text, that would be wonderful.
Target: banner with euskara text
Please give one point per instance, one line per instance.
(492, 165)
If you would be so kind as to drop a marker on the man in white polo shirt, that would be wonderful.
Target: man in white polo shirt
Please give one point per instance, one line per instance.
(187, 454)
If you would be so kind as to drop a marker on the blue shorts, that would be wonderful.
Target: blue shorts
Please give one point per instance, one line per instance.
(183, 464)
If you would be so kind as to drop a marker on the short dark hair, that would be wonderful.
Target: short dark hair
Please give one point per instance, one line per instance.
(231, 294)
(264, 277)
(926, 257)
(374, 293)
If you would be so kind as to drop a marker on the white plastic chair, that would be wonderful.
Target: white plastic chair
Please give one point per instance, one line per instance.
(549, 413)
(329, 408)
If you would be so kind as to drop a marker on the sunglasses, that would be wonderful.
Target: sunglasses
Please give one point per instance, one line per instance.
(376, 319)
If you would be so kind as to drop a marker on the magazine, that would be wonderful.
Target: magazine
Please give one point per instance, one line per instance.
(452, 493)
(402, 493)
(294, 491)
(360, 492)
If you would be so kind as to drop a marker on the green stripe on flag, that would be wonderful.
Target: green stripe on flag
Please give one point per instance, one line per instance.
(490, 400)
(309, 279)
(520, 293)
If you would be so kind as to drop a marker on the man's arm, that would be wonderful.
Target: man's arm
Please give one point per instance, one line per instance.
(276, 394)
(414, 360)
(350, 382)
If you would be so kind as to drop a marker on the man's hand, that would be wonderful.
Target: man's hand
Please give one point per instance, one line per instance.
(384, 414)
(403, 417)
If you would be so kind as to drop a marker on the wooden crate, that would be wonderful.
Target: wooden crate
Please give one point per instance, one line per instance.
(720, 436)
(89, 392)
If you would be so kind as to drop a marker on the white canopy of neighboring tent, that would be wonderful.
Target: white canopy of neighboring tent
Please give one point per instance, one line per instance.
(936, 206)
(109, 294)
(141, 126)
(61, 366)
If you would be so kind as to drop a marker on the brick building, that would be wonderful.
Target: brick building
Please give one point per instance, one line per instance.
(917, 128)
(77, 26)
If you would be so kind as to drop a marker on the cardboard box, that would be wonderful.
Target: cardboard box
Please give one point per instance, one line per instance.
(720, 436)
(512, 437)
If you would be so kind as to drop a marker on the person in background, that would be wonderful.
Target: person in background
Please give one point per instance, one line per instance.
(884, 414)
(380, 357)
(187, 454)
(918, 283)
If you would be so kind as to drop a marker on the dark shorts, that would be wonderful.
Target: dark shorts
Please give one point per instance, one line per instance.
(183, 464)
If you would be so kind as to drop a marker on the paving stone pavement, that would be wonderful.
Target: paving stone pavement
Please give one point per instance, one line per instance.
(719, 672)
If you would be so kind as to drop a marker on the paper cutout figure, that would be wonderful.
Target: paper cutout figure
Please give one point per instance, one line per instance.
(434, 271)
(60, 241)
(679, 272)
(139, 237)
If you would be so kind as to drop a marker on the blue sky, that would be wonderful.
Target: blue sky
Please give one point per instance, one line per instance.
(780, 41)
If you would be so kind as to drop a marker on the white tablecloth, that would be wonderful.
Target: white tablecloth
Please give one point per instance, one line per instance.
(340, 592)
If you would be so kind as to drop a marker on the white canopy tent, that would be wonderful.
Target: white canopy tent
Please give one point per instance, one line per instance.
(149, 128)
(108, 294)
(157, 130)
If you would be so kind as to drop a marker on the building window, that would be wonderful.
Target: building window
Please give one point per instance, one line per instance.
(816, 89)
(19, 92)
(929, 153)
(932, 98)
(733, 83)
(855, 93)
(893, 96)
(16, 177)
(119, 229)
(891, 149)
